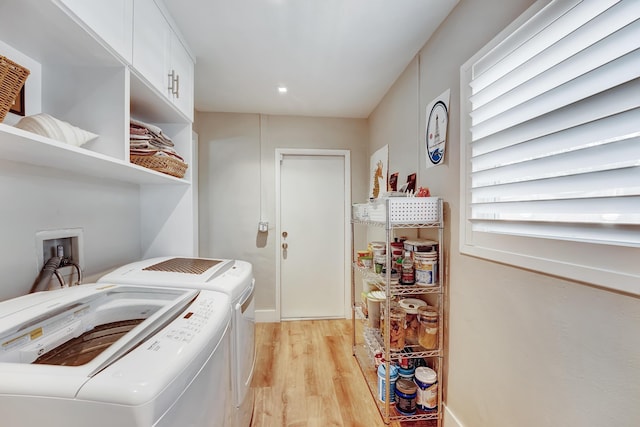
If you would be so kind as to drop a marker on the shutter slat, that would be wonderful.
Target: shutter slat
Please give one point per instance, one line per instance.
(592, 185)
(615, 155)
(619, 235)
(488, 153)
(616, 210)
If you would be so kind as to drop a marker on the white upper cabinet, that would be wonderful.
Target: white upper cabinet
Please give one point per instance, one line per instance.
(182, 68)
(160, 58)
(110, 20)
(151, 44)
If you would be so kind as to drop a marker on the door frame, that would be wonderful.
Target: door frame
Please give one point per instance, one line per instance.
(346, 154)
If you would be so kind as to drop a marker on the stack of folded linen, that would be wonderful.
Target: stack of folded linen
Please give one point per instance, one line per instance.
(152, 149)
(148, 140)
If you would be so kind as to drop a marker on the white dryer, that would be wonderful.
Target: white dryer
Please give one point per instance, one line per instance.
(115, 355)
(232, 277)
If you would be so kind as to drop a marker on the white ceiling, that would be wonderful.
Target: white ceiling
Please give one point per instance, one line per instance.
(336, 57)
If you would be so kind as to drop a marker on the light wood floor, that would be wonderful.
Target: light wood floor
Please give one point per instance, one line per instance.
(306, 376)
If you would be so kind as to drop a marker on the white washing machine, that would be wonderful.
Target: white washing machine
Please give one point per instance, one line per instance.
(115, 355)
(232, 277)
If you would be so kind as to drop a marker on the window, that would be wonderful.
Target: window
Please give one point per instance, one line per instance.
(550, 143)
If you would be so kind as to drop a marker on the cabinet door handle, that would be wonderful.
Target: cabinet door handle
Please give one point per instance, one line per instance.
(172, 80)
(176, 80)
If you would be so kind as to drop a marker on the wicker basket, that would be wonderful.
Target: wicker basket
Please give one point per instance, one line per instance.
(168, 165)
(12, 78)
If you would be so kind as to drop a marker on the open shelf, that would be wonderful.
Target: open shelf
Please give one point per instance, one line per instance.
(26, 147)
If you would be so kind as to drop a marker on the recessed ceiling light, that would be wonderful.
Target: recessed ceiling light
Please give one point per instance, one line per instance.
(282, 89)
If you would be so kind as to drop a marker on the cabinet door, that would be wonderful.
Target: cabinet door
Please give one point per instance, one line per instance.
(111, 20)
(151, 44)
(182, 66)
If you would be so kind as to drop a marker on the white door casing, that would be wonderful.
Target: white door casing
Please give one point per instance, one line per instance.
(313, 202)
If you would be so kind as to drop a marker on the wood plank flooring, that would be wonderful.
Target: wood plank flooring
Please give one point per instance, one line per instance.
(306, 376)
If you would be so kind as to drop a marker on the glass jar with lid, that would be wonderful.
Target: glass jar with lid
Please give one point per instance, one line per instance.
(410, 307)
(428, 329)
(397, 324)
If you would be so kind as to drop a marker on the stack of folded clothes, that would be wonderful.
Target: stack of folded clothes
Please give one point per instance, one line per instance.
(148, 140)
(147, 143)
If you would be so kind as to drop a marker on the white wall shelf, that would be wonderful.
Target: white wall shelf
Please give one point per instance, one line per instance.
(25, 147)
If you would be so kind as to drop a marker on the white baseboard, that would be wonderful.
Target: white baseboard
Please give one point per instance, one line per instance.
(266, 316)
(269, 316)
(450, 420)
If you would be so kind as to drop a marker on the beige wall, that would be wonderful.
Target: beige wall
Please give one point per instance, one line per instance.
(37, 198)
(237, 182)
(524, 349)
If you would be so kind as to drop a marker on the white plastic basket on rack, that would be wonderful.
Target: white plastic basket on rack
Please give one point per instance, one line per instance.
(360, 211)
(413, 210)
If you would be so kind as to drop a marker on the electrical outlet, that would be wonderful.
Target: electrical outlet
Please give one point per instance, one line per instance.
(67, 243)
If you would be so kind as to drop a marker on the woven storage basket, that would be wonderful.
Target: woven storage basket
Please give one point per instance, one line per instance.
(12, 78)
(168, 165)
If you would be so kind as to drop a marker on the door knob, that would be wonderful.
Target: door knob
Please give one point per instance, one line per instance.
(285, 234)
(285, 246)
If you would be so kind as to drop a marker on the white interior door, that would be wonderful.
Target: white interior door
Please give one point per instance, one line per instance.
(312, 236)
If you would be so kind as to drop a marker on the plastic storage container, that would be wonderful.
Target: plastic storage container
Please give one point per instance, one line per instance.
(374, 299)
(427, 394)
(406, 395)
(426, 268)
(393, 377)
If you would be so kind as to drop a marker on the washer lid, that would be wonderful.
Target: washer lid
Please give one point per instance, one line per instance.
(32, 331)
(165, 270)
(231, 277)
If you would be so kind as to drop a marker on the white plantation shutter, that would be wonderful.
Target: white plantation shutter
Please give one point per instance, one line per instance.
(552, 126)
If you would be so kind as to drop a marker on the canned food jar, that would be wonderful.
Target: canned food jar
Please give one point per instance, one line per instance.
(411, 307)
(406, 394)
(382, 378)
(428, 329)
(426, 380)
